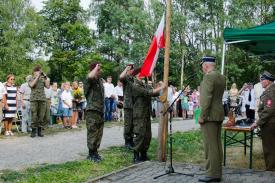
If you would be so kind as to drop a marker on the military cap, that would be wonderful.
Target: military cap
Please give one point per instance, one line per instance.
(208, 59)
(267, 76)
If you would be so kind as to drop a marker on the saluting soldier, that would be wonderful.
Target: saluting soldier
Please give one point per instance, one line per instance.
(141, 117)
(94, 93)
(211, 117)
(38, 100)
(127, 79)
(266, 120)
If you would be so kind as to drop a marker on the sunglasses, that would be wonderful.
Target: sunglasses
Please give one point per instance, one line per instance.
(12, 79)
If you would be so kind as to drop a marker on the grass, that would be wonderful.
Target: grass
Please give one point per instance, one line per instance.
(76, 171)
(187, 148)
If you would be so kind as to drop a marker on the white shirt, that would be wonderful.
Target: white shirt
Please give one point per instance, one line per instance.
(109, 90)
(68, 98)
(170, 95)
(258, 90)
(3, 91)
(48, 92)
(251, 103)
(119, 90)
(25, 90)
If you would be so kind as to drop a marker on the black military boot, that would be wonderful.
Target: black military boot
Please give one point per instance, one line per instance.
(136, 157)
(39, 133)
(94, 156)
(128, 144)
(143, 156)
(33, 134)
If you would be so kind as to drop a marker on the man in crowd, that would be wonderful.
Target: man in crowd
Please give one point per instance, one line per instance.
(25, 92)
(110, 96)
(48, 93)
(250, 101)
(127, 80)
(211, 117)
(38, 100)
(119, 94)
(94, 93)
(267, 120)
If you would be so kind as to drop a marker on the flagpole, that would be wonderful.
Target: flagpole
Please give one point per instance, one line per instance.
(163, 127)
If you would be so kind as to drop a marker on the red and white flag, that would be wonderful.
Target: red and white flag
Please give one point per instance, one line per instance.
(153, 52)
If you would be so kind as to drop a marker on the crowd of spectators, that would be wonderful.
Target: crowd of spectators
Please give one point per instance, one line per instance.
(66, 104)
(185, 102)
(243, 102)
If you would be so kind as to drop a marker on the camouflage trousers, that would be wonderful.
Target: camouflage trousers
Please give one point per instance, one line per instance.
(38, 109)
(128, 124)
(47, 117)
(95, 125)
(142, 133)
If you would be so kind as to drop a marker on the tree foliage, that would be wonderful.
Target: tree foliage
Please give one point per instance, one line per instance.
(124, 30)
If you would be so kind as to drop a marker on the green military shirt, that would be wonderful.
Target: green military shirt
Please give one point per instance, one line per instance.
(127, 92)
(94, 93)
(267, 106)
(141, 98)
(211, 92)
(37, 91)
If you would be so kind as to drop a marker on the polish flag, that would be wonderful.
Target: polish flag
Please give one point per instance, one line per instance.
(153, 52)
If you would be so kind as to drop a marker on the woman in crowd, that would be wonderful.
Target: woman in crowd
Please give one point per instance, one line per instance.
(184, 104)
(10, 107)
(54, 103)
(233, 94)
(76, 103)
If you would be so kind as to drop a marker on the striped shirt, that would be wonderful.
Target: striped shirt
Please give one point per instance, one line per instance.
(11, 101)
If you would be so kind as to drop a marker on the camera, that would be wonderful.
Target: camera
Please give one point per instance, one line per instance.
(43, 74)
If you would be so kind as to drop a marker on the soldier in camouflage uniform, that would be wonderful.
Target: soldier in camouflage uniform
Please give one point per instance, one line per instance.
(267, 120)
(38, 100)
(127, 79)
(141, 117)
(94, 93)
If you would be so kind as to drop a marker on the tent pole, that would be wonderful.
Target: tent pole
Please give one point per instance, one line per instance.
(223, 58)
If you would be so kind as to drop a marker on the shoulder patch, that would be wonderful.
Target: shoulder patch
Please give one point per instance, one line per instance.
(269, 103)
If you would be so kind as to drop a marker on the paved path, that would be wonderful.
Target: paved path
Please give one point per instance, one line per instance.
(21, 152)
(145, 172)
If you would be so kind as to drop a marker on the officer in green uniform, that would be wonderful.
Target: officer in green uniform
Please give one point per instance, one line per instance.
(94, 93)
(141, 116)
(127, 79)
(38, 100)
(211, 117)
(266, 120)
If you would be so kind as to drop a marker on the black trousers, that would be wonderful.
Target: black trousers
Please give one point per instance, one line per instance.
(250, 114)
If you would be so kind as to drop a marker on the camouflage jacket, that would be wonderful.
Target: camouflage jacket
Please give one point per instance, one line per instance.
(141, 99)
(127, 92)
(37, 91)
(94, 93)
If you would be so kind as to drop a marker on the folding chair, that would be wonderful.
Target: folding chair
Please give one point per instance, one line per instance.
(18, 120)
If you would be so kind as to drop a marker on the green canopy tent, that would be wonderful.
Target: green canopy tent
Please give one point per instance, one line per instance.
(258, 40)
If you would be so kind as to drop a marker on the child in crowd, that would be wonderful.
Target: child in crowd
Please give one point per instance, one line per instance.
(190, 111)
(67, 102)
